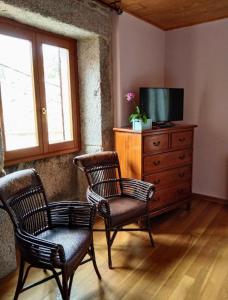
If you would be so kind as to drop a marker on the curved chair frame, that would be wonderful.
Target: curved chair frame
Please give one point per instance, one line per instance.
(24, 198)
(103, 174)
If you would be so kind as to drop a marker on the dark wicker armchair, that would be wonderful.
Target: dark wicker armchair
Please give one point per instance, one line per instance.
(51, 236)
(119, 201)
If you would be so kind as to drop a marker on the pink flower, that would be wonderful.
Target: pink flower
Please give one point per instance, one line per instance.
(130, 96)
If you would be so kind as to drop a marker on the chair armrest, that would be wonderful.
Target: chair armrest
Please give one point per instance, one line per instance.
(38, 251)
(72, 213)
(137, 189)
(101, 203)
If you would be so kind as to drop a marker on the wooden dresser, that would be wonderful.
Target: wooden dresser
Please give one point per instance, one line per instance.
(162, 157)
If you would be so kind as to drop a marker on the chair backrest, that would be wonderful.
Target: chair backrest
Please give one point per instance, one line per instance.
(102, 171)
(23, 197)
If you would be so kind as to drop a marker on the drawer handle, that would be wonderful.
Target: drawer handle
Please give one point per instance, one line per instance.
(182, 139)
(157, 162)
(157, 181)
(180, 191)
(157, 199)
(156, 143)
(181, 175)
(182, 156)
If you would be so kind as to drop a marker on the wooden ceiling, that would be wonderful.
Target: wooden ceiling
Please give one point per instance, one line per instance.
(170, 14)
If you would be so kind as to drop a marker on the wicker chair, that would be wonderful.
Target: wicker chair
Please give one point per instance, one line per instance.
(119, 201)
(51, 236)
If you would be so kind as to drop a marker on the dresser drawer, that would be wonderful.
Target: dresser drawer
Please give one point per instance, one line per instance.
(181, 139)
(170, 177)
(170, 195)
(153, 163)
(156, 142)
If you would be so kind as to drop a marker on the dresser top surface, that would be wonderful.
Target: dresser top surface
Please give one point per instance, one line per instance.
(176, 127)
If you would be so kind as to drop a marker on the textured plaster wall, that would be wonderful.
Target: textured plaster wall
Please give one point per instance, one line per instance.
(91, 25)
(138, 60)
(197, 59)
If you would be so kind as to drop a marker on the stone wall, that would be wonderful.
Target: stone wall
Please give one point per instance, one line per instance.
(77, 18)
(7, 245)
(90, 24)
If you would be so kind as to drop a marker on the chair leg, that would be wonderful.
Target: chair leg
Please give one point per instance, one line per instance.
(94, 260)
(70, 284)
(113, 236)
(65, 291)
(149, 231)
(108, 239)
(20, 279)
(56, 276)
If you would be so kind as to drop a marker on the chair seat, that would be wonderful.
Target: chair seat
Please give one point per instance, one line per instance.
(125, 208)
(74, 241)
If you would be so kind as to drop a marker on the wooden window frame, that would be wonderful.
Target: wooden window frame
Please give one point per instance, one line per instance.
(37, 37)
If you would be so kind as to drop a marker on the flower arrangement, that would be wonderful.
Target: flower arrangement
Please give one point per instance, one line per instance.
(138, 114)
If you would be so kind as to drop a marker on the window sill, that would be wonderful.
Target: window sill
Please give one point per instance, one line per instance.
(9, 163)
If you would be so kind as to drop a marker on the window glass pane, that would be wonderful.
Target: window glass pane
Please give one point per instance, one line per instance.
(58, 96)
(17, 93)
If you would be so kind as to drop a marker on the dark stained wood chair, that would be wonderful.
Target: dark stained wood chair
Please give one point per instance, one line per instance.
(52, 236)
(120, 201)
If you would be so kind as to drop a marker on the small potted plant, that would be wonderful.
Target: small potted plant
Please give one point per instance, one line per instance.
(138, 118)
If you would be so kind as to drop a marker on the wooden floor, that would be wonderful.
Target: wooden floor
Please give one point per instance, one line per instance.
(190, 261)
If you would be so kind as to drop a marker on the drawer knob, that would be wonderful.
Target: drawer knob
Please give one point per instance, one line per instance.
(180, 191)
(157, 162)
(157, 181)
(181, 175)
(182, 139)
(156, 143)
(182, 156)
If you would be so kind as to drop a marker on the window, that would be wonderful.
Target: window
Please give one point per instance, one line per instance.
(39, 103)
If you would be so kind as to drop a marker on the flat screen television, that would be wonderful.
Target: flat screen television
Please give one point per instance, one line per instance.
(162, 105)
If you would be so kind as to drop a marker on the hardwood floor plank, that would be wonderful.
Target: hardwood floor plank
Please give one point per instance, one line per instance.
(202, 236)
(212, 259)
(188, 263)
(171, 255)
(182, 288)
(223, 292)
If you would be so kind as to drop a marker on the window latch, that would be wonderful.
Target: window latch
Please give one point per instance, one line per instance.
(44, 111)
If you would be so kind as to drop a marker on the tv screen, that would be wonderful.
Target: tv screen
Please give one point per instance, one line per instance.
(162, 104)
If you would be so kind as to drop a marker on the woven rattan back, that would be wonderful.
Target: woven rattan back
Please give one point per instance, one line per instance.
(102, 171)
(23, 196)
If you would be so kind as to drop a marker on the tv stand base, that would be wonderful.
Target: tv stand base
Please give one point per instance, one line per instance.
(164, 125)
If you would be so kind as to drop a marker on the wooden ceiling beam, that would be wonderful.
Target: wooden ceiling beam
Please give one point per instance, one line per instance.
(167, 14)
